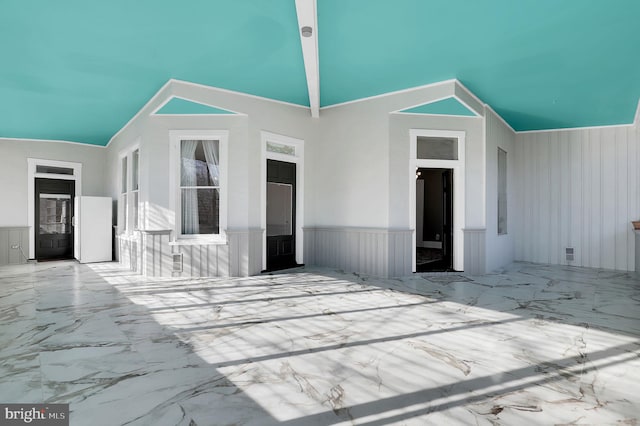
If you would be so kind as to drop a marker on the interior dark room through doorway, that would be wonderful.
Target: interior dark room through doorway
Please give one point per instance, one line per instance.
(434, 220)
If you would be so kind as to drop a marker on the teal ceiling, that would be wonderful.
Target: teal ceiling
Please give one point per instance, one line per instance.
(177, 106)
(78, 70)
(448, 106)
(540, 64)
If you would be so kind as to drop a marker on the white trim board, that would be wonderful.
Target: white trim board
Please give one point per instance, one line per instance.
(171, 97)
(573, 129)
(233, 92)
(487, 106)
(441, 98)
(473, 117)
(157, 95)
(397, 92)
(50, 141)
(469, 107)
(307, 12)
(195, 115)
(471, 95)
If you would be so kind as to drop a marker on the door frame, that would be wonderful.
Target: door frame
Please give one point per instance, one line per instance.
(293, 153)
(32, 164)
(72, 197)
(458, 167)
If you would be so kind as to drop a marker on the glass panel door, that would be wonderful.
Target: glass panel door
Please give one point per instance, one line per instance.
(55, 215)
(279, 209)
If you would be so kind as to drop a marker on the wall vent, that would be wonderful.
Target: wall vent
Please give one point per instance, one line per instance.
(177, 262)
(569, 253)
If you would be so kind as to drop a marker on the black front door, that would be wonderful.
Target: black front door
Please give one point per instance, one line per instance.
(54, 210)
(281, 215)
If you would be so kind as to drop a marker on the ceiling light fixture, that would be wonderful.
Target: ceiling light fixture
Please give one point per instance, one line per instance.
(306, 31)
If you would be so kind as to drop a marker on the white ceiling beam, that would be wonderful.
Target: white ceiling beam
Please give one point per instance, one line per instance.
(307, 12)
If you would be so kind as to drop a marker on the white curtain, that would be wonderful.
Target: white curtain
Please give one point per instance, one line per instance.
(190, 219)
(211, 154)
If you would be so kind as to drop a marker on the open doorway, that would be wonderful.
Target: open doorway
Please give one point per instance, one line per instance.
(434, 220)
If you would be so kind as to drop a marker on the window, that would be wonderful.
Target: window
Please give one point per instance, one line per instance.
(200, 187)
(502, 192)
(199, 197)
(435, 148)
(123, 210)
(280, 148)
(41, 168)
(135, 188)
(128, 217)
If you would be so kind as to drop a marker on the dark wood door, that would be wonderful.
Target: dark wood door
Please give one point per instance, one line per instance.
(281, 215)
(54, 210)
(447, 218)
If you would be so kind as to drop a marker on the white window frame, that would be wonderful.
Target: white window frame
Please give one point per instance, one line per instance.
(175, 137)
(505, 231)
(127, 223)
(32, 164)
(298, 160)
(135, 218)
(458, 167)
(123, 214)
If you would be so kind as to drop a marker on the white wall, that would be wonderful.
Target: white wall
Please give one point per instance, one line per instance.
(256, 115)
(566, 188)
(351, 168)
(361, 164)
(14, 173)
(579, 189)
(500, 248)
(242, 255)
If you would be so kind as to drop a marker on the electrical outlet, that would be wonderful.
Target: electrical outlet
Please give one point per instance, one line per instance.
(15, 246)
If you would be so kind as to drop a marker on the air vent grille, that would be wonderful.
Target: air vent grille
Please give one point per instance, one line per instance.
(177, 262)
(569, 254)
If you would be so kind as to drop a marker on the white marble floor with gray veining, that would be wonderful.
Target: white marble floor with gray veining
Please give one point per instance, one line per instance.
(532, 345)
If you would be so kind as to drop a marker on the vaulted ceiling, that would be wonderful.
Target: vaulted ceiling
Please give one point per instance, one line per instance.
(78, 70)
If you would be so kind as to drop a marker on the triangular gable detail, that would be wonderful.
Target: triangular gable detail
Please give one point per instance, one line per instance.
(448, 106)
(178, 106)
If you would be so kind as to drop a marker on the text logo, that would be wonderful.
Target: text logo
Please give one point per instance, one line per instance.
(34, 414)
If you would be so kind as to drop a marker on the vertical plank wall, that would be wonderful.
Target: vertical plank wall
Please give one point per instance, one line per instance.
(579, 188)
(12, 236)
(499, 248)
(373, 251)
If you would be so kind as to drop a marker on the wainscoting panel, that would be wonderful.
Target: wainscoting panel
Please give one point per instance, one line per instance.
(245, 251)
(400, 253)
(255, 250)
(156, 253)
(202, 260)
(12, 237)
(129, 252)
(372, 251)
(475, 251)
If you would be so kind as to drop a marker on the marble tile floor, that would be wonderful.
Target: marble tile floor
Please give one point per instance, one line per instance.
(530, 345)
